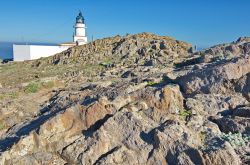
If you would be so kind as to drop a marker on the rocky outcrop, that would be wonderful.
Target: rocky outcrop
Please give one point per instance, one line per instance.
(128, 50)
(139, 109)
(217, 155)
(216, 78)
(234, 49)
(146, 129)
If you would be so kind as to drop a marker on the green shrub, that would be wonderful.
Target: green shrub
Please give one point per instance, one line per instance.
(2, 125)
(106, 63)
(229, 56)
(218, 57)
(185, 113)
(150, 50)
(202, 136)
(236, 139)
(32, 88)
(13, 95)
(1, 97)
(151, 83)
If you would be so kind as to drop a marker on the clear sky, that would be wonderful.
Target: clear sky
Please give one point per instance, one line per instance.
(201, 22)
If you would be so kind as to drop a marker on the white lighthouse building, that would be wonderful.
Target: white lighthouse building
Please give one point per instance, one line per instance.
(31, 52)
(80, 37)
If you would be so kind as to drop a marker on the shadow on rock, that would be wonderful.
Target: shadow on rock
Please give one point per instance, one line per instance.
(8, 142)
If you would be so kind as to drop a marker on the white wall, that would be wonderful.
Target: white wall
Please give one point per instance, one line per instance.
(80, 34)
(81, 39)
(31, 52)
(37, 51)
(21, 52)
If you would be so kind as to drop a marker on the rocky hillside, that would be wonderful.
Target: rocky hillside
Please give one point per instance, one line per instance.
(139, 49)
(138, 99)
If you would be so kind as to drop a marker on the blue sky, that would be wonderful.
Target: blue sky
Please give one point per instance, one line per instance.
(200, 22)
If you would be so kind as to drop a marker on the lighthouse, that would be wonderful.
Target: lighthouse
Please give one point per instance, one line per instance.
(31, 52)
(79, 36)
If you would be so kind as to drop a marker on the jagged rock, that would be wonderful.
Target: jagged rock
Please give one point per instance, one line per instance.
(98, 111)
(206, 104)
(242, 112)
(221, 153)
(172, 99)
(241, 46)
(234, 125)
(128, 74)
(214, 79)
(129, 125)
(243, 86)
(137, 99)
(64, 126)
(132, 47)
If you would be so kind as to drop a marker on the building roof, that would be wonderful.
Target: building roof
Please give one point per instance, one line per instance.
(80, 18)
(68, 44)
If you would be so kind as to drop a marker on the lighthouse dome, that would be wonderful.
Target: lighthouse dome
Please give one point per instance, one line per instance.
(80, 18)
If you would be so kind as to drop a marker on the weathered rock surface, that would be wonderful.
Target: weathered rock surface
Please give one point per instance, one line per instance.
(139, 109)
(222, 51)
(216, 78)
(129, 50)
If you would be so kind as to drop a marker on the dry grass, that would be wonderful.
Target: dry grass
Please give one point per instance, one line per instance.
(14, 74)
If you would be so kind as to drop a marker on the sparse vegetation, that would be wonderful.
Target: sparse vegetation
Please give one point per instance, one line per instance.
(13, 95)
(202, 136)
(115, 87)
(106, 62)
(10, 95)
(150, 50)
(1, 97)
(219, 57)
(91, 69)
(2, 125)
(229, 56)
(151, 83)
(32, 87)
(185, 113)
(236, 139)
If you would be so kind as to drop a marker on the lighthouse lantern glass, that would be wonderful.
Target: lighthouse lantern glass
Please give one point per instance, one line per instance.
(79, 18)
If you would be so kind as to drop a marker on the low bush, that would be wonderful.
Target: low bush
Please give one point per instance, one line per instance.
(236, 139)
(32, 88)
(185, 113)
(13, 95)
(151, 83)
(2, 125)
(1, 97)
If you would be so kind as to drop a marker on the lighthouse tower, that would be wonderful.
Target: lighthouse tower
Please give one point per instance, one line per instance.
(80, 37)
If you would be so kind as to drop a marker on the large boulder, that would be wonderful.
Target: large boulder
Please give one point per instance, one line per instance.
(221, 152)
(233, 124)
(234, 49)
(214, 78)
